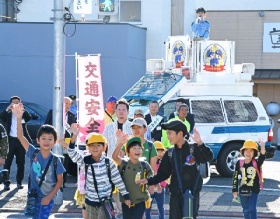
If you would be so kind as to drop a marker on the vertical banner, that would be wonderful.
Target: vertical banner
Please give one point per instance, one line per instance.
(91, 107)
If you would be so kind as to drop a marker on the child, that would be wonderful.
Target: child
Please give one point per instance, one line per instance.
(159, 192)
(130, 170)
(247, 175)
(42, 162)
(98, 186)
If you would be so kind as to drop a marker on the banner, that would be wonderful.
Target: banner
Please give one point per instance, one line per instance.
(82, 6)
(91, 107)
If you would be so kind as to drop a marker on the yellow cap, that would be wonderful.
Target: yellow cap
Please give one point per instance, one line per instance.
(95, 138)
(250, 144)
(159, 145)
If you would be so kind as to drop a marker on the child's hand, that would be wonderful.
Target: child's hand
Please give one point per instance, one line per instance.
(17, 110)
(121, 137)
(235, 194)
(2, 161)
(46, 200)
(151, 190)
(128, 203)
(262, 144)
(75, 128)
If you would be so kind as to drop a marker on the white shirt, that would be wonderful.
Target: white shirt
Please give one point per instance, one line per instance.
(13, 131)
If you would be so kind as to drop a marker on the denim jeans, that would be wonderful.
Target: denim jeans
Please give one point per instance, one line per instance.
(135, 212)
(43, 211)
(249, 205)
(159, 197)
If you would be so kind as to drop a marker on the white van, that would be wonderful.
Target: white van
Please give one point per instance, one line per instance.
(226, 114)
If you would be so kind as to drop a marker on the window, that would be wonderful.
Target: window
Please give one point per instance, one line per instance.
(240, 111)
(207, 111)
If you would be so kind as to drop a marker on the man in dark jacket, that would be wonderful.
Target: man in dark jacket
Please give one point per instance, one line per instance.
(154, 121)
(69, 119)
(187, 166)
(15, 147)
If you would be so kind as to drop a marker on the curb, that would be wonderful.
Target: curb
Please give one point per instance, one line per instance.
(220, 214)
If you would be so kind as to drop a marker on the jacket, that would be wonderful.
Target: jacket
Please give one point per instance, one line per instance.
(188, 173)
(6, 117)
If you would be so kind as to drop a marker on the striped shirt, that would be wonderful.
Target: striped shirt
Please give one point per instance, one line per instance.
(104, 186)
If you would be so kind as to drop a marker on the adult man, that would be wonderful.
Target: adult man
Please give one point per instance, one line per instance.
(200, 27)
(15, 147)
(68, 119)
(154, 121)
(189, 117)
(181, 157)
(73, 107)
(139, 113)
(122, 123)
(181, 115)
(109, 112)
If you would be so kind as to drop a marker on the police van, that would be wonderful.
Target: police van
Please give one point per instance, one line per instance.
(217, 91)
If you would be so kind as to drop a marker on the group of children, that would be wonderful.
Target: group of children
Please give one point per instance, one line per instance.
(102, 174)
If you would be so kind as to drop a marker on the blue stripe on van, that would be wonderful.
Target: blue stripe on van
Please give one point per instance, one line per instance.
(240, 129)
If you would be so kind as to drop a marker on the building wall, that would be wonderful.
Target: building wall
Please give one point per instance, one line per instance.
(27, 58)
(246, 29)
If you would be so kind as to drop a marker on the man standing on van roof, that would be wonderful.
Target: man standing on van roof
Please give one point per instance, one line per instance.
(189, 117)
(154, 121)
(186, 162)
(109, 112)
(201, 27)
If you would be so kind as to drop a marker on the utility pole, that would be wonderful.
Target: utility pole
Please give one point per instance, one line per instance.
(58, 80)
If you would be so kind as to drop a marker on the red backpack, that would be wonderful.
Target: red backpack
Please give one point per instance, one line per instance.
(255, 165)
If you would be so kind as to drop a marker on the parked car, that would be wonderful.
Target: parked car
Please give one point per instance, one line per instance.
(38, 115)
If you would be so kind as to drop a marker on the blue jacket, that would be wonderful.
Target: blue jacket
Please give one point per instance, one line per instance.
(201, 29)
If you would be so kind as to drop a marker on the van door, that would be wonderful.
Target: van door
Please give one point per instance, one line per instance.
(210, 121)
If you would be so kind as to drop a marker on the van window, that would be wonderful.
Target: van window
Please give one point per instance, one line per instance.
(207, 111)
(240, 111)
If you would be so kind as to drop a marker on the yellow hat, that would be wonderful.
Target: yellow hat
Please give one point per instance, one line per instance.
(250, 144)
(95, 138)
(159, 145)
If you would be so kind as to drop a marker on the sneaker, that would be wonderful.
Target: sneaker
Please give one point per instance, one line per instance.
(7, 186)
(19, 186)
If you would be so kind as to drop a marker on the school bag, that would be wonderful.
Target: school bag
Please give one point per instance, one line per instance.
(255, 165)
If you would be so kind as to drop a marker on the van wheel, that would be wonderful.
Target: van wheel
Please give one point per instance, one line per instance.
(227, 159)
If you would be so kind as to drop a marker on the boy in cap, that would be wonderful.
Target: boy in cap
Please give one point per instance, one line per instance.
(97, 171)
(109, 112)
(200, 27)
(248, 175)
(187, 165)
(139, 128)
(130, 170)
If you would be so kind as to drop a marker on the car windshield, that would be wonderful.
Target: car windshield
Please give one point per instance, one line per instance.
(37, 108)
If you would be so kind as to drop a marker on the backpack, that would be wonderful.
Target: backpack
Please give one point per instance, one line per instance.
(255, 165)
(150, 144)
(144, 167)
(107, 163)
(55, 158)
(203, 168)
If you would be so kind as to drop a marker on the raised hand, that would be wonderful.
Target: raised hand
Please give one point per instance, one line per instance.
(75, 128)
(121, 137)
(196, 137)
(18, 110)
